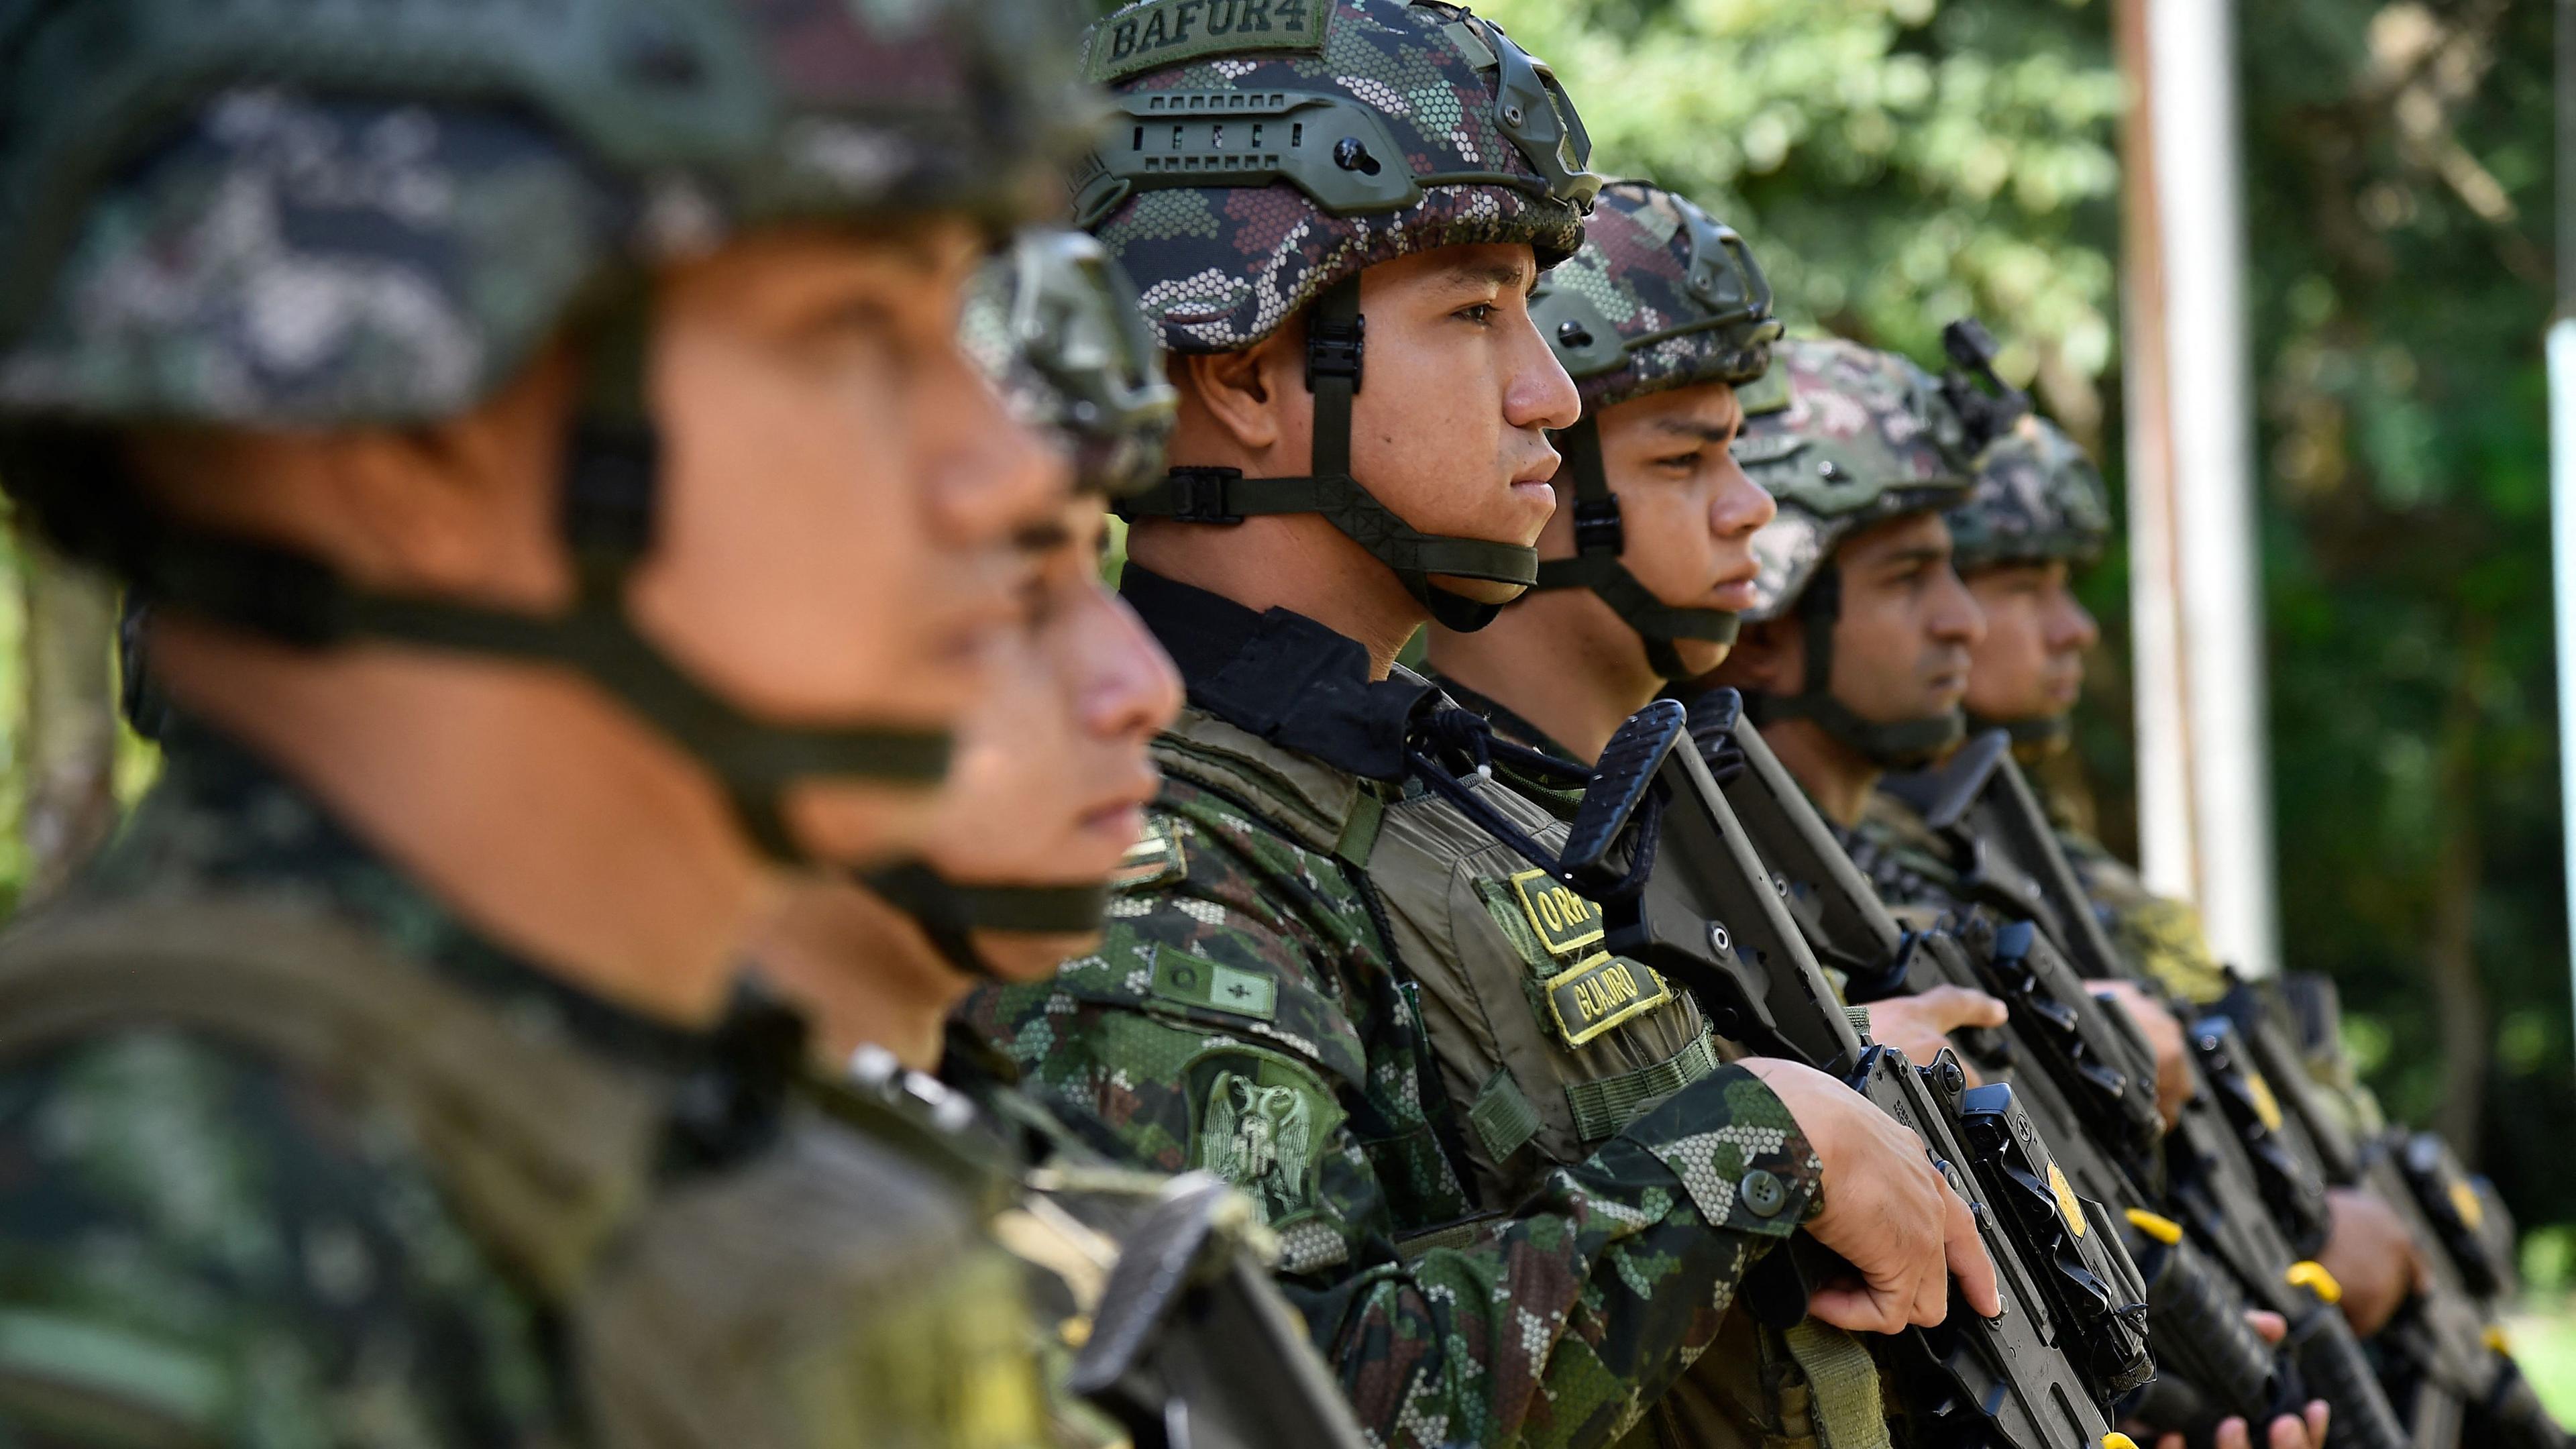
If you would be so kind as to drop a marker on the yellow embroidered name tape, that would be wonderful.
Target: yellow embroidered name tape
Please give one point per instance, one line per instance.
(1565, 922)
(1593, 996)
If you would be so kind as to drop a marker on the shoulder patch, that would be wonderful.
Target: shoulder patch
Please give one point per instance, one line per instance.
(1156, 858)
(1196, 981)
(1260, 1121)
(1565, 922)
(1600, 992)
(1158, 33)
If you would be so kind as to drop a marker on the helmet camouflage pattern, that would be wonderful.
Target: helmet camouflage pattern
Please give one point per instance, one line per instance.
(1383, 129)
(2037, 498)
(293, 213)
(1054, 323)
(1851, 438)
(1661, 296)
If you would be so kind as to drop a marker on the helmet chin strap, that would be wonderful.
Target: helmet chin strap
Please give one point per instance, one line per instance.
(1901, 745)
(1336, 344)
(1599, 538)
(949, 914)
(608, 517)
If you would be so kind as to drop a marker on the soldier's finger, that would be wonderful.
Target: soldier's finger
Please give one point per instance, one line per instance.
(2172, 1441)
(2233, 1434)
(1858, 1308)
(2288, 1432)
(1957, 1006)
(2269, 1327)
(2318, 1413)
(1967, 1256)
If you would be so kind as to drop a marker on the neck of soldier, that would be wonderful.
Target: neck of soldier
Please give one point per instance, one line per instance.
(552, 823)
(1298, 562)
(863, 971)
(1834, 775)
(1560, 660)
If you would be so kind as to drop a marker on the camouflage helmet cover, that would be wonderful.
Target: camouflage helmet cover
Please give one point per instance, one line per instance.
(1661, 296)
(2037, 498)
(1854, 437)
(294, 213)
(1054, 323)
(1384, 128)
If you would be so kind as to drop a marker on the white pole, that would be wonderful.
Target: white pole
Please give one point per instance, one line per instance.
(2205, 807)
(2562, 548)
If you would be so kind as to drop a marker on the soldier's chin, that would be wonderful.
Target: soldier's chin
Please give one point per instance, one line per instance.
(1482, 591)
(1019, 957)
(1700, 656)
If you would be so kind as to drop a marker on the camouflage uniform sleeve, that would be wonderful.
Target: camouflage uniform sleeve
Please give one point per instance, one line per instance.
(2159, 936)
(197, 1247)
(1554, 1323)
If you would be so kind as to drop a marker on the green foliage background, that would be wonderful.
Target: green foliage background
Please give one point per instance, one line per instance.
(1898, 162)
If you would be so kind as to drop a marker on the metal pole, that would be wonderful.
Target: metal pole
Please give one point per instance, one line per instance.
(2204, 771)
(2562, 458)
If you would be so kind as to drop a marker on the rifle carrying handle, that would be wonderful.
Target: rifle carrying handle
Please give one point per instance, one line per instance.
(2331, 1361)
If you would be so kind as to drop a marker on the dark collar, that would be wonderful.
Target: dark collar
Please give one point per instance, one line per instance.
(1279, 675)
(1506, 721)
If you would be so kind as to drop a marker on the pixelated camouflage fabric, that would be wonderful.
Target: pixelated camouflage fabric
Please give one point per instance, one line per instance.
(1220, 268)
(1635, 268)
(1554, 1322)
(352, 253)
(196, 1238)
(1864, 437)
(2037, 497)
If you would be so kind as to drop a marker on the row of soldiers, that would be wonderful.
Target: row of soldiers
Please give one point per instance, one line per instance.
(679, 910)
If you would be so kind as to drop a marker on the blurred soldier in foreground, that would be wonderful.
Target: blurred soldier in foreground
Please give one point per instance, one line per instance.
(475, 393)
(1045, 804)
(1257, 1008)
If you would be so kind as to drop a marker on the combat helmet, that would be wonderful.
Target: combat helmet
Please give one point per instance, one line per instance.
(1264, 153)
(1662, 296)
(1848, 438)
(2037, 498)
(1053, 321)
(277, 214)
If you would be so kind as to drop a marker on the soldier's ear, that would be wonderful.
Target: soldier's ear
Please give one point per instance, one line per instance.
(1236, 401)
(1769, 657)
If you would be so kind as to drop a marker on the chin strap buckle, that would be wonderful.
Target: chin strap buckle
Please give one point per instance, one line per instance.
(1597, 527)
(1335, 348)
(1200, 495)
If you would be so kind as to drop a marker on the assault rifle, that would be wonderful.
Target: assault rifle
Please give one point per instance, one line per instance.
(2250, 1199)
(2443, 1356)
(2071, 1340)
(2087, 1080)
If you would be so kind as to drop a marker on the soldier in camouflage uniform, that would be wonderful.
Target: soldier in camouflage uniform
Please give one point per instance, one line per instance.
(2037, 513)
(1260, 1007)
(473, 390)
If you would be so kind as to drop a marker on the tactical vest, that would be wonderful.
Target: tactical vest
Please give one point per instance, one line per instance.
(829, 1290)
(1547, 1044)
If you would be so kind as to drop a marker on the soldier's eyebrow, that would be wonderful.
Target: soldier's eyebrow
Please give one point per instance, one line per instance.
(1044, 537)
(1493, 274)
(1912, 556)
(1697, 431)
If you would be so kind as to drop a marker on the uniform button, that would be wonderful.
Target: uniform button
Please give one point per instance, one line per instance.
(1763, 1192)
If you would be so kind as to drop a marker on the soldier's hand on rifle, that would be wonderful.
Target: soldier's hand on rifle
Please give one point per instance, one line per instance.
(1920, 1025)
(1886, 1211)
(2370, 1253)
(2163, 1032)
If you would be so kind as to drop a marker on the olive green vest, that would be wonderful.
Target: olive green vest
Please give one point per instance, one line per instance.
(1546, 1044)
(830, 1291)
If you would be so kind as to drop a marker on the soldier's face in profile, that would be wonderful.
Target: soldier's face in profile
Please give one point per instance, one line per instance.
(843, 492)
(1903, 641)
(2030, 664)
(1456, 394)
(1687, 512)
(1051, 778)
